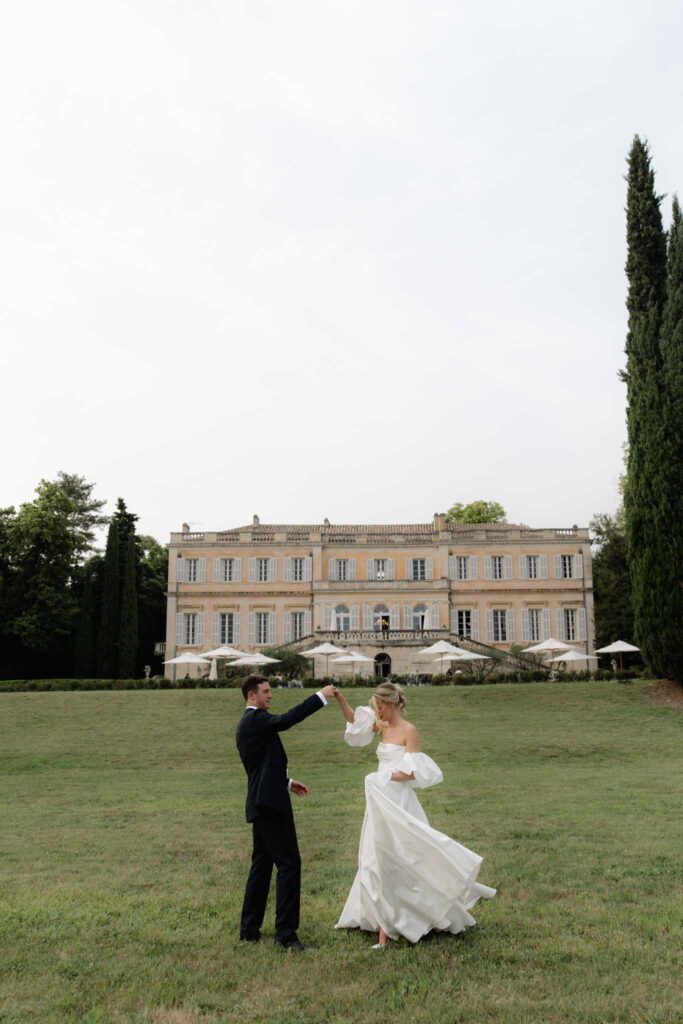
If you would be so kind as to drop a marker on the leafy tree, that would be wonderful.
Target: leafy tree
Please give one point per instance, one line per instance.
(291, 663)
(654, 574)
(128, 633)
(477, 512)
(110, 614)
(85, 644)
(611, 580)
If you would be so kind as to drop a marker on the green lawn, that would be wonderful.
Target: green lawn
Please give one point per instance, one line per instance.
(124, 853)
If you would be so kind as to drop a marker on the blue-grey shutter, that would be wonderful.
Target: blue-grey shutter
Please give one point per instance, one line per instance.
(351, 569)
(488, 567)
(507, 567)
(390, 568)
(407, 616)
(236, 628)
(452, 567)
(217, 564)
(308, 629)
(237, 570)
(367, 616)
(543, 568)
(180, 570)
(288, 579)
(201, 570)
(409, 568)
(354, 622)
(199, 636)
(288, 622)
(558, 571)
(272, 569)
(272, 627)
(332, 569)
(545, 628)
(434, 616)
(472, 567)
(180, 629)
(308, 569)
(394, 617)
(252, 572)
(523, 571)
(371, 573)
(252, 627)
(216, 629)
(454, 621)
(560, 624)
(429, 568)
(526, 633)
(510, 625)
(474, 624)
(489, 625)
(578, 566)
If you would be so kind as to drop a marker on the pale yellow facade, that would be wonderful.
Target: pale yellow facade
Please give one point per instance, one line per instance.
(384, 590)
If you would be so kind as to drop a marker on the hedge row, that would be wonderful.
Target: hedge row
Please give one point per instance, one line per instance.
(533, 676)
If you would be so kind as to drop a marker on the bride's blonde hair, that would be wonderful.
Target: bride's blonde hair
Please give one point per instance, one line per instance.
(387, 693)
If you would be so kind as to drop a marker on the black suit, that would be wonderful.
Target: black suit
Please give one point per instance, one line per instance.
(269, 809)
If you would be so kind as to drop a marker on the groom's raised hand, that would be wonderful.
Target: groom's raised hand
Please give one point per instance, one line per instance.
(329, 692)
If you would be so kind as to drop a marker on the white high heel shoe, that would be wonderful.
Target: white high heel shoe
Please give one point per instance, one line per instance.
(380, 945)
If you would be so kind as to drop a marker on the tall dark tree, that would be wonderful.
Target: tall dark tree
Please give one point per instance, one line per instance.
(671, 629)
(128, 633)
(85, 644)
(110, 614)
(152, 601)
(611, 580)
(646, 269)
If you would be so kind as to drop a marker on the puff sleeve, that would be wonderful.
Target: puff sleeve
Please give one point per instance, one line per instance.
(427, 772)
(359, 731)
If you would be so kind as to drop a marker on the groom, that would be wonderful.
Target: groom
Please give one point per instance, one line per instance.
(269, 809)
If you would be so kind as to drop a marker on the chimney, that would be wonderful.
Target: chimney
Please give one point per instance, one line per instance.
(186, 527)
(256, 521)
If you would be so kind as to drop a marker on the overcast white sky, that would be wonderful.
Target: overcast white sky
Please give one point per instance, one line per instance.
(324, 257)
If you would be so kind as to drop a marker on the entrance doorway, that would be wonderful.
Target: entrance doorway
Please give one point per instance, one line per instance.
(382, 666)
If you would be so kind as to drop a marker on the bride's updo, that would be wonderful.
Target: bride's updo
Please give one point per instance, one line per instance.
(387, 693)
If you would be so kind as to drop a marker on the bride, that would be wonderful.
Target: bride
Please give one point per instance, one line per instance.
(411, 879)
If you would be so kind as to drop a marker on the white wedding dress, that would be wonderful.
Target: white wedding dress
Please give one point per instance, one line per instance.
(411, 879)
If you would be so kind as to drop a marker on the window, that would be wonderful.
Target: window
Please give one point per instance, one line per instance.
(343, 616)
(262, 619)
(191, 570)
(380, 618)
(532, 569)
(534, 620)
(226, 626)
(418, 568)
(227, 570)
(298, 624)
(342, 569)
(464, 622)
(380, 568)
(420, 617)
(497, 567)
(462, 567)
(297, 573)
(262, 571)
(190, 626)
(567, 567)
(500, 632)
(569, 619)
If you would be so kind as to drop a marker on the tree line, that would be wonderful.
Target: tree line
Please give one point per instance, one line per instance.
(66, 608)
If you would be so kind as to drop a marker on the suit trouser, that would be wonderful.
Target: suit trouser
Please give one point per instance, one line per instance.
(274, 843)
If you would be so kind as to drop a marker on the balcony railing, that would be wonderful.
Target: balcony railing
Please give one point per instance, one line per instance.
(382, 636)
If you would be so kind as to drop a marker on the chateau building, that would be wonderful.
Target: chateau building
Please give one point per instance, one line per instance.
(383, 590)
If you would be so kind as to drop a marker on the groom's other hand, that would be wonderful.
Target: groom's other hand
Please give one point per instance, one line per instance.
(298, 788)
(328, 692)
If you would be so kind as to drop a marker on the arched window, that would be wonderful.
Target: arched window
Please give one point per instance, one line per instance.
(343, 618)
(380, 618)
(420, 616)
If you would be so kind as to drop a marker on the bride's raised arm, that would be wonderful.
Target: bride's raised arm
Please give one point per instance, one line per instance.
(360, 724)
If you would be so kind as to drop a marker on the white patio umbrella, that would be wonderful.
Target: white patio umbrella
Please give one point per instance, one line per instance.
(620, 647)
(325, 649)
(441, 647)
(569, 656)
(188, 658)
(226, 652)
(354, 658)
(254, 659)
(464, 655)
(549, 645)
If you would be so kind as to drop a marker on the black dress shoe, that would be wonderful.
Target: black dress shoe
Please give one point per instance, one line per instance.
(294, 944)
(250, 938)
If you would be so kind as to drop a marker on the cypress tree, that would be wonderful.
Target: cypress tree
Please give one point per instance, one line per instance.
(128, 636)
(671, 632)
(108, 641)
(646, 268)
(86, 635)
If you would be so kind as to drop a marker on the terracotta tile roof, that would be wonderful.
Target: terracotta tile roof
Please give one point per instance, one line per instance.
(350, 529)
